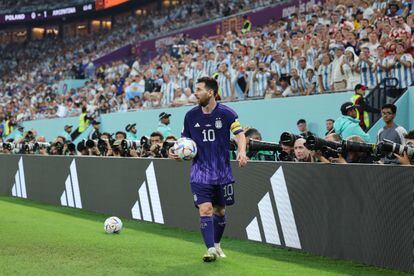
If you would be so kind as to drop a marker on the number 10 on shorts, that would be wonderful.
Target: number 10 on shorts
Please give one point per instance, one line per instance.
(228, 193)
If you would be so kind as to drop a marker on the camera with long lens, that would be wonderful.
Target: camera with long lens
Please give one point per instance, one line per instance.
(387, 147)
(166, 147)
(127, 145)
(327, 148)
(7, 146)
(71, 147)
(333, 148)
(288, 138)
(315, 143)
(350, 146)
(29, 147)
(256, 145)
(145, 143)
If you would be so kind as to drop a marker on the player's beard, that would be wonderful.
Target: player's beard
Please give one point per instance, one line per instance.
(204, 102)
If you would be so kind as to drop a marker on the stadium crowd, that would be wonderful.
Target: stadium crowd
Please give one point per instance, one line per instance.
(20, 6)
(330, 48)
(34, 69)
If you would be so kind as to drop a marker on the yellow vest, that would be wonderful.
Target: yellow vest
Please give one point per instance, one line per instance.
(83, 125)
(354, 98)
(7, 129)
(246, 28)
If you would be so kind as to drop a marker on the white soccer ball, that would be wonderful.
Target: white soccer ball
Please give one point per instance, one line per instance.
(113, 225)
(185, 148)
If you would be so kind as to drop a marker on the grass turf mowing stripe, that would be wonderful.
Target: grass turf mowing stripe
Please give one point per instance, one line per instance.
(42, 239)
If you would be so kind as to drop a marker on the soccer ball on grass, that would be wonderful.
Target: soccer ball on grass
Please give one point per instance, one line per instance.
(113, 225)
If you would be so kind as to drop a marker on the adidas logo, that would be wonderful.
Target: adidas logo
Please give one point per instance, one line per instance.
(19, 186)
(197, 125)
(267, 216)
(71, 195)
(142, 207)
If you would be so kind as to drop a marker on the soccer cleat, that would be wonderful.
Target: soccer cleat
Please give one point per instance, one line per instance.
(219, 251)
(211, 255)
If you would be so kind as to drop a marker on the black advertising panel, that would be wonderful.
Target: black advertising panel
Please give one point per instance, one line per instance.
(357, 212)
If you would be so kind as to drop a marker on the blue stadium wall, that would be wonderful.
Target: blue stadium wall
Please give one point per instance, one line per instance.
(271, 117)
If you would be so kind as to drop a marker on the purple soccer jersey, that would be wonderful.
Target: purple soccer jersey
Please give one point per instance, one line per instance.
(211, 133)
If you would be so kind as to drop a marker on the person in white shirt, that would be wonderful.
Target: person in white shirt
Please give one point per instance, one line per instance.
(402, 67)
(338, 81)
(325, 74)
(285, 89)
(348, 68)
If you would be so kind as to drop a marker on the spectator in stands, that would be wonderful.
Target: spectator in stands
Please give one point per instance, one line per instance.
(325, 74)
(348, 125)
(366, 68)
(285, 89)
(163, 126)
(402, 66)
(362, 107)
(303, 129)
(349, 68)
(338, 81)
(329, 126)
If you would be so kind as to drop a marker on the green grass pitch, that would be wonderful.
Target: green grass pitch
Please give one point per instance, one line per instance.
(38, 239)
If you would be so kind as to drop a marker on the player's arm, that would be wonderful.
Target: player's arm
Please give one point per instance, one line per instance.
(240, 139)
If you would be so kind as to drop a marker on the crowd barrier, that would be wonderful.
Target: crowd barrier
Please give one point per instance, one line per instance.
(362, 213)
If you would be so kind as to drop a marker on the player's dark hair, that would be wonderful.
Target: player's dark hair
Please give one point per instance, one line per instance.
(210, 83)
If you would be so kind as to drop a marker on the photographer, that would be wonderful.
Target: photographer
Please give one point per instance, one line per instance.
(262, 155)
(302, 153)
(287, 141)
(355, 156)
(156, 140)
(58, 146)
(406, 159)
(104, 144)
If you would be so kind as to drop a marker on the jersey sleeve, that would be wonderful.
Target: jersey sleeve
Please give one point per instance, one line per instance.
(186, 129)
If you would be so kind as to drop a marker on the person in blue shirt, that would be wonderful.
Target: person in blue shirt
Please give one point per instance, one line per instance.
(348, 124)
(66, 133)
(163, 126)
(131, 131)
(211, 179)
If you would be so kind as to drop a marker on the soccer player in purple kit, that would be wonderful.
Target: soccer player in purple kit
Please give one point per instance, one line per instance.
(209, 125)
